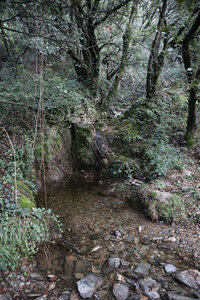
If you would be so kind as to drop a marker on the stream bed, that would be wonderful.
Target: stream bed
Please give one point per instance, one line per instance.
(104, 237)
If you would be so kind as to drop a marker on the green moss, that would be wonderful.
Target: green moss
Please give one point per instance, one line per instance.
(24, 190)
(25, 202)
(83, 145)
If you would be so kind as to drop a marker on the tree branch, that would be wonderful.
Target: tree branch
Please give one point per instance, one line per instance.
(111, 11)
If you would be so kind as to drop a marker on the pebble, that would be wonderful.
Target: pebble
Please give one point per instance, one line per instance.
(117, 233)
(120, 291)
(169, 268)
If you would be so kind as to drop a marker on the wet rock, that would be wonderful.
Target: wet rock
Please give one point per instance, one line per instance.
(174, 296)
(190, 278)
(143, 268)
(36, 276)
(148, 285)
(145, 239)
(65, 295)
(120, 291)
(88, 285)
(41, 298)
(169, 268)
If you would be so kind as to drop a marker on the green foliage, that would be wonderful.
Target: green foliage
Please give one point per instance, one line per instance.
(162, 157)
(62, 98)
(20, 235)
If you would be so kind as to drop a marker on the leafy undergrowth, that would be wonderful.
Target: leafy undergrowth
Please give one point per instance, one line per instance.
(23, 226)
(150, 135)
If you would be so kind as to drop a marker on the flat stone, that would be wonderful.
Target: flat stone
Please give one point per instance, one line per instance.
(117, 233)
(36, 276)
(41, 298)
(88, 285)
(174, 296)
(143, 268)
(169, 268)
(190, 278)
(120, 291)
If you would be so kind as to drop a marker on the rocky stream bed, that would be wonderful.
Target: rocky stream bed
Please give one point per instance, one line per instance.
(108, 250)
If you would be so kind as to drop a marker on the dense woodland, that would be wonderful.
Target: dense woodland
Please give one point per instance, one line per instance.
(128, 68)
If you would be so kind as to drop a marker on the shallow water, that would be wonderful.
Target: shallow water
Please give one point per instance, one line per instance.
(90, 218)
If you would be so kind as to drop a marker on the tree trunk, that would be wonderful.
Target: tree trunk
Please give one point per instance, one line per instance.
(156, 60)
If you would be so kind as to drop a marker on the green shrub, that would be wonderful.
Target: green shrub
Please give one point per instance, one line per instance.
(21, 234)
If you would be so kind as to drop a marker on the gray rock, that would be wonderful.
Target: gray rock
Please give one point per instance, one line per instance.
(190, 278)
(41, 298)
(88, 285)
(174, 296)
(148, 284)
(120, 291)
(153, 295)
(169, 268)
(113, 262)
(134, 297)
(36, 276)
(143, 268)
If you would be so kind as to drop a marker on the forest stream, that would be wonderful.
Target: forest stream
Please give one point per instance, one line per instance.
(123, 254)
